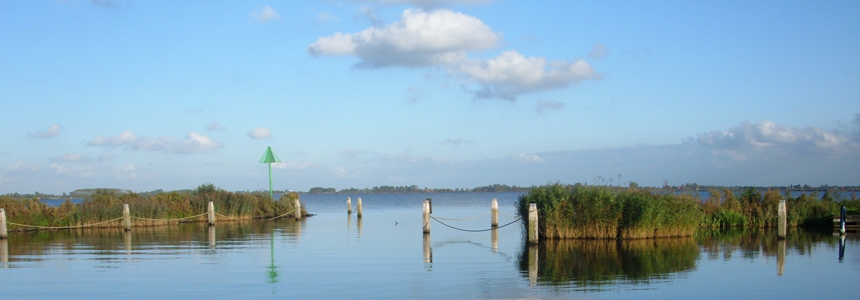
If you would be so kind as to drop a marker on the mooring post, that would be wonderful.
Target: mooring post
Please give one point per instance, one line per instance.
(298, 206)
(426, 219)
(126, 218)
(782, 223)
(430, 204)
(3, 233)
(842, 216)
(533, 224)
(211, 211)
(494, 214)
(358, 207)
(348, 205)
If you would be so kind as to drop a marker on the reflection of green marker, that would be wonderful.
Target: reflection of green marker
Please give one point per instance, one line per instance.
(269, 157)
(273, 270)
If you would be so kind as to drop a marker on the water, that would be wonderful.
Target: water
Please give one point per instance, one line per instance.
(333, 255)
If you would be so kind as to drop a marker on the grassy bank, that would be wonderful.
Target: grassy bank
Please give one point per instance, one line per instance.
(106, 205)
(601, 212)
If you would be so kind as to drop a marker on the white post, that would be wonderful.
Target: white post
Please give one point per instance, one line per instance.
(358, 207)
(782, 222)
(3, 233)
(126, 218)
(298, 207)
(494, 214)
(428, 252)
(211, 210)
(533, 224)
(348, 205)
(426, 219)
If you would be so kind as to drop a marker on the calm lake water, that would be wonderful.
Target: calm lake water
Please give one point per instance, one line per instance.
(384, 255)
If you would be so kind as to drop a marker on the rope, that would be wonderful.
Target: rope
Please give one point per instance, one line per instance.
(509, 216)
(220, 215)
(287, 213)
(177, 219)
(463, 219)
(471, 230)
(65, 227)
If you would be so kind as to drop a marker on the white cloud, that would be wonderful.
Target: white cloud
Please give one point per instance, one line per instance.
(420, 38)
(748, 137)
(52, 131)
(294, 165)
(75, 171)
(599, 51)
(215, 126)
(192, 143)
(265, 14)
(260, 133)
(71, 157)
(22, 167)
(543, 106)
(526, 157)
(511, 74)
(430, 3)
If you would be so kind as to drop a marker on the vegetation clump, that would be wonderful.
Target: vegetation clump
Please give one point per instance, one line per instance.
(147, 210)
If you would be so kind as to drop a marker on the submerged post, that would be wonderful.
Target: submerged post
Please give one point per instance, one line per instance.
(426, 219)
(348, 205)
(126, 218)
(533, 224)
(3, 233)
(358, 208)
(211, 211)
(298, 206)
(783, 220)
(494, 214)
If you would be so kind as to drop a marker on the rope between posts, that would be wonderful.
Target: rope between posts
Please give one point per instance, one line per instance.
(176, 219)
(289, 212)
(65, 227)
(463, 219)
(223, 216)
(509, 216)
(472, 230)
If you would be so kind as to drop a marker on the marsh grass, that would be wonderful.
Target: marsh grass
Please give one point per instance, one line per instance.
(165, 208)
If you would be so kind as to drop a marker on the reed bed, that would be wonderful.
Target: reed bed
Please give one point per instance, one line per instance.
(146, 210)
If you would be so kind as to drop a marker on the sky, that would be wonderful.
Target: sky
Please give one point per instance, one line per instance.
(146, 95)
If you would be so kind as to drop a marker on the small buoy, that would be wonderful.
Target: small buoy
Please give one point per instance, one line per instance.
(395, 223)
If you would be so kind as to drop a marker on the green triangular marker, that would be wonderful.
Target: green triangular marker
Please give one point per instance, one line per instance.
(268, 158)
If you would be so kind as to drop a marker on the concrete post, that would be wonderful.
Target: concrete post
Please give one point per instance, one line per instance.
(126, 218)
(348, 205)
(534, 237)
(358, 208)
(3, 233)
(430, 204)
(494, 214)
(211, 211)
(782, 223)
(298, 206)
(426, 219)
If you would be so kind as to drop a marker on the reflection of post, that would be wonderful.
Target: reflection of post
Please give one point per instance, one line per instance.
(359, 227)
(533, 224)
(841, 246)
(298, 229)
(533, 265)
(780, 257)
(782, 222)
(4, 252)
(842, 220)
(428, 253)
(126, 218)
(126, 237)
(494, 239)
(494, 214)
(426, 218)
(358, 208)
(348, 205)
(211, 236)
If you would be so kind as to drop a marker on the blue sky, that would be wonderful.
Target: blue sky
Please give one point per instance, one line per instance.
(146, 95)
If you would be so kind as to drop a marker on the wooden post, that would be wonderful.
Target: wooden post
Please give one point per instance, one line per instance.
(3, 233)
(126, 218)
(430, 204)
(782, 223)
(211, 210)
(358, 208)
(494, 214)
(298, 206)
(534, 236)
(426, 219)
(348, 205)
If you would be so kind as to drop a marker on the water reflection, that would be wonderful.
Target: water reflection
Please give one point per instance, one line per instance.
(428, 252)
(592, 264)
(494, 239)
(841, 247)
(4, 253)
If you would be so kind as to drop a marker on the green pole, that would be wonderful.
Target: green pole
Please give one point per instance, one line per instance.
(271, 194)
(270, 157)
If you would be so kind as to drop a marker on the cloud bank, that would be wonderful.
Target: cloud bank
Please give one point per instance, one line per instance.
(52, 131)
(260, 133)
(265, 14)
(192, 143)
